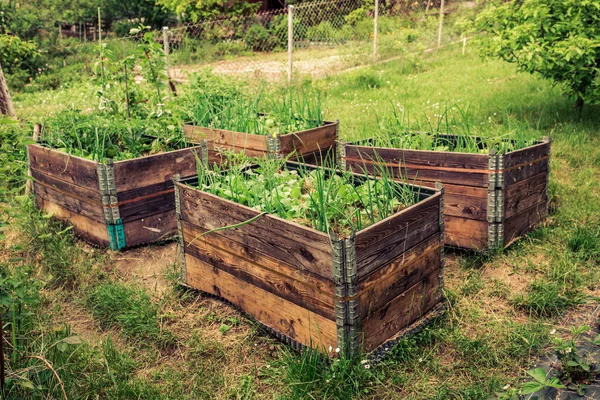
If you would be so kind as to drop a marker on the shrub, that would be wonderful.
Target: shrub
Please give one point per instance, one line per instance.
(17, 54)
(558, 39)
(258, 38)
(323, 32)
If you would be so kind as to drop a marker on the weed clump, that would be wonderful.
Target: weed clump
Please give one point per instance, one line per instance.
(117, 305)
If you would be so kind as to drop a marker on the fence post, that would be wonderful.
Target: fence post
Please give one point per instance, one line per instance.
(464, 45)
(290, 41)
(166, 40)
(441, 24)
(6, 104)
(375, 30)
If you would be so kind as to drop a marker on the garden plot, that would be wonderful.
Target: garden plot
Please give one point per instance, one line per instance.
(322, 259)
(294, 129)
(111, 203)
(496, 191)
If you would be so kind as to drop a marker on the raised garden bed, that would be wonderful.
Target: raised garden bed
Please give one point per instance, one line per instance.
(111, 204)
(490, 199)
(354, 291)
(310, 146)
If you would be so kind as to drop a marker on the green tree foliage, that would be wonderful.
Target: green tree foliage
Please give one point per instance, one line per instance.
(198, 10)
(559, 39)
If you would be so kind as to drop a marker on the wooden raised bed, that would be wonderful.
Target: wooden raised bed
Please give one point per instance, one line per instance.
(117, 204)
(309, 146)
(307, 287)
(490, 199)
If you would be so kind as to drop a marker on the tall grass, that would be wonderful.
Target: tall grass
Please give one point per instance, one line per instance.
(98, 137)
(452, 130)
(289, 110)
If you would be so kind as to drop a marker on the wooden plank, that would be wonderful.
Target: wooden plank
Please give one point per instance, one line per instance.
(401, 311)
(142, 207)
(389, 238)
(378, 288)
(525, 194)
(527, 155)
(517, 174)
(154, 169)
(310, 140)
(87, 229)
(465, 206)
(150, 229)
(89, 195)
(226, 139)
(93, 211)
(302, 247)
(449, 189)
(523, 222)
(275, 276)
(420, 158)
(465, 233)
(275, 312)
(476, 178)
(63, 166)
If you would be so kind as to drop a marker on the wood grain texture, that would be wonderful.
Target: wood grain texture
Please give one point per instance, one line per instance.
(63, 166)
(434, 166)
(514, 175)
(523, 222)
(153, 228)
(302, 247)
(85, 207)
(156, 203)
(527, 155)
(90, 195)
(396, 277)
(379, 243)
(230, 140)
(400, 312)
(155, 169)
(87, 229)
(310, 140)
(273, 311)
(465, 233)
(525, 194)
(275, 276)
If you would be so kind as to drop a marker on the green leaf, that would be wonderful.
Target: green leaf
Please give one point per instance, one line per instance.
(531, 387)
(539, 374)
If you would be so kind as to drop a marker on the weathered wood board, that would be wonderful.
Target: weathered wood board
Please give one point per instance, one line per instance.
(488, 197)
(310, 146)
(117, 205)
(311, 288)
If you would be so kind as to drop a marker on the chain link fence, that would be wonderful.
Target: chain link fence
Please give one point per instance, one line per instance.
(327, 36)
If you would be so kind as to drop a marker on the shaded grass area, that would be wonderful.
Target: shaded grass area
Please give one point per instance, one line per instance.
(502, 308)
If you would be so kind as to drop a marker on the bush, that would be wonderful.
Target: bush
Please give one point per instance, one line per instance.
(258, 38)
(323, 32)
(17, 55)
(558, 39)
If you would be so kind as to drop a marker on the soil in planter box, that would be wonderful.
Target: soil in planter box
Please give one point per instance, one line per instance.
(319, 199)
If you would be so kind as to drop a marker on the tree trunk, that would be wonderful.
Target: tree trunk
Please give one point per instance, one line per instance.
(6, 105)
(579, 103)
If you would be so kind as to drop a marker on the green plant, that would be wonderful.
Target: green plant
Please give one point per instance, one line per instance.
(327, 201)
(575, 367)
(556, 38)
(98, 138)
(449, 131)
(131, 309)
(547, 298)
(258, 38)
(291, 110)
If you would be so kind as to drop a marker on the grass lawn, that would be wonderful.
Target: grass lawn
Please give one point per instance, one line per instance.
(138, 335)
